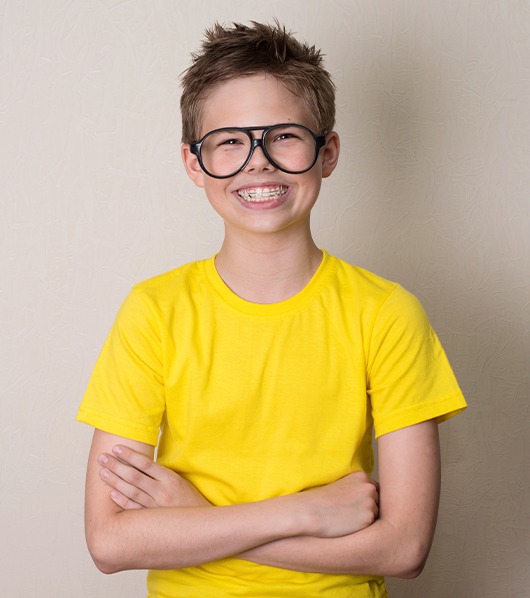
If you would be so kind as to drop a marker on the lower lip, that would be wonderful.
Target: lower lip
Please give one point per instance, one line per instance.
(263, 205)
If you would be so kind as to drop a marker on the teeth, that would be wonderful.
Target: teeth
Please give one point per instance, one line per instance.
(261, 194)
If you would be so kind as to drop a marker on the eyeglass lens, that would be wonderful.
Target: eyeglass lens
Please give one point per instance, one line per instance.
(292, 148)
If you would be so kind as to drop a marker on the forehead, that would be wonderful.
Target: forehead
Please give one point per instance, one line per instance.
(255, 100)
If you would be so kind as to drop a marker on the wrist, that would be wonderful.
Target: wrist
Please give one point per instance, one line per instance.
(300, 518)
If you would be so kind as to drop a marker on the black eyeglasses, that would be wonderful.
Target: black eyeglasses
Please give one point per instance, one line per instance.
(291, 148)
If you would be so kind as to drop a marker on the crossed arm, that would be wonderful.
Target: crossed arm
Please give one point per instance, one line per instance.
(141, 515)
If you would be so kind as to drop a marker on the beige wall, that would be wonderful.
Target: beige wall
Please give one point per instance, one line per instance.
(432, 190)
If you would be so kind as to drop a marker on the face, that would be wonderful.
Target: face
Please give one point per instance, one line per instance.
(261, 198)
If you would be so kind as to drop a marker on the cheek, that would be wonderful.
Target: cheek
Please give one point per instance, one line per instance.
(216, 194)
(314, 180)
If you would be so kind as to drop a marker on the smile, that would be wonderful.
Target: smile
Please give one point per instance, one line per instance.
(262, 194)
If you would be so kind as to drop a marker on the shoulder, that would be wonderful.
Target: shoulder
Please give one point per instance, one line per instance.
(363, 279)
(180, 276)
(362, 286)
(173, 284)
(378, 300)
(157, 297)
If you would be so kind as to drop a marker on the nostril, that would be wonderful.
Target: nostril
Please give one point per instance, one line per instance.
(258, 159)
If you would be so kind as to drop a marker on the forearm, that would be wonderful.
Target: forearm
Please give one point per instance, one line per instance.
(398, 543)
(172, 538)
(187, 532)
(141, 515)
(182, 536)
(380, 550)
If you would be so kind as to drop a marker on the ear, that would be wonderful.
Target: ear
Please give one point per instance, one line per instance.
(192, 166)
(330, 154)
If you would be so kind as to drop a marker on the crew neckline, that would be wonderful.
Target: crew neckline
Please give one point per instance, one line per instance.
(323, 271)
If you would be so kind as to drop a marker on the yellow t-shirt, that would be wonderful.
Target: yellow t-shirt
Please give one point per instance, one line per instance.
(253, 401)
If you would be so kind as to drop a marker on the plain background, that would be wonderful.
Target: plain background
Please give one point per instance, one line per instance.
(431, 190)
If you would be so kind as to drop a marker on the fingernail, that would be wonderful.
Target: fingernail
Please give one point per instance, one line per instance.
(116, 450)
(103, 459)
(104, 473)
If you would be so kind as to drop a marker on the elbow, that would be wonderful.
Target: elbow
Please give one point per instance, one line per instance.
(104, 561)
(411, 571)
(103, 553)
(413, 561)
(106, 566)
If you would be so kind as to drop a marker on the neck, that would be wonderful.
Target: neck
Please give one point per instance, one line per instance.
(267, 269)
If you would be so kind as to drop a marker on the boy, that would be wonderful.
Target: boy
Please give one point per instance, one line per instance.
(265, 368)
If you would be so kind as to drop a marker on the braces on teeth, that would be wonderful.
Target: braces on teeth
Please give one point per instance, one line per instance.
(262, 193)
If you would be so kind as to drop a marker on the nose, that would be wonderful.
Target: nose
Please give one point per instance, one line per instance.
(258, 160)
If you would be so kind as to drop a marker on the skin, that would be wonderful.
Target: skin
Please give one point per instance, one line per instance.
(128, 529)
(141, 515)
(396, 544)
(267, 254)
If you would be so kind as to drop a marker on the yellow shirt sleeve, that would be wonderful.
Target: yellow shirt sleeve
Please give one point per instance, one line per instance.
(409, 377)
(130, 365)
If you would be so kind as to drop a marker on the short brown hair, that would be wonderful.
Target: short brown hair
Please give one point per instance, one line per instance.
(230, 52)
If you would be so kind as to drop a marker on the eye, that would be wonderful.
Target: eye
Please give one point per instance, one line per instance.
(226, 140)
(288, 134)
(285, 136)
(229, 141)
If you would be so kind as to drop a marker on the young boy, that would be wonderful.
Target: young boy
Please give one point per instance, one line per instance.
(265, 369)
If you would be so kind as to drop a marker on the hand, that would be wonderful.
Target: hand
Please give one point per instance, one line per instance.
(138, 482)
(342, 507)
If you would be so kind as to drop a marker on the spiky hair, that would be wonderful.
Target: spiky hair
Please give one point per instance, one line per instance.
(240, 50)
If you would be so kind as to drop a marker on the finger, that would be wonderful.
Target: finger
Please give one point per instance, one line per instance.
(137, 460)
(373, 481)
(143, 463)
(376, 493)
(375, 484)
(122, 501)
(131, 492)
(128, 473)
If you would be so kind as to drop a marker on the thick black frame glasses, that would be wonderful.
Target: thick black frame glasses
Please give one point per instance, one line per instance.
(320, 141)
